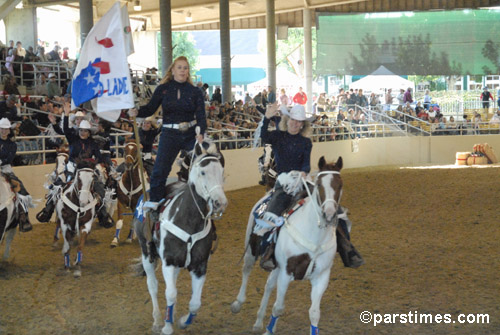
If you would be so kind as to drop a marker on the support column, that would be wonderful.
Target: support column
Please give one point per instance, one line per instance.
(86, 19)
(166, 35)
(21, 25)
(271, 44)
(225, 50)
(308, 57)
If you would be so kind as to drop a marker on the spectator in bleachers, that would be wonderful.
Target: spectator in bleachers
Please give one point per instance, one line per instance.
(217, 96)
(53, 55)
(41, 85)
(10, 85)
(452, 127)
(300, 98)
(362, 101)
(407, 96)
(423, 114)
(321, 103)
(388, 99)
(427, 99)
(53, 89)
(374, 101)
(20, 52)
(400, 97)
(42, 57)
(65, 53)
(284, 100)
(271, 95)
(476, 121)
(431, 114)
(9, 60)
(485, 98)
(495, 119)
(8, 108)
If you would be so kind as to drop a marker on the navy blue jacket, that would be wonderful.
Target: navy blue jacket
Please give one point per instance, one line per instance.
(291, 152)
(81, 149)
(8, 150)
(188, 107)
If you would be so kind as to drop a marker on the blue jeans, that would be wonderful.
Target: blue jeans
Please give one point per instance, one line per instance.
(171, 142)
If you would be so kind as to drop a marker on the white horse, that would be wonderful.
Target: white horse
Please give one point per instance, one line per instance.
(7, 215)
(305, 249)
(185, 237)
(76, 212)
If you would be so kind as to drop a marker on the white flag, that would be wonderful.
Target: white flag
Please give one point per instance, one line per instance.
(102, 70)
(296, 62)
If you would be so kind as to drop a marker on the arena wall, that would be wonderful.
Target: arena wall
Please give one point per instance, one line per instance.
(241, 165)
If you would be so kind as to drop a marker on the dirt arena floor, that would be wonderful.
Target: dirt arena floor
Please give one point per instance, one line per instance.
(430, 238)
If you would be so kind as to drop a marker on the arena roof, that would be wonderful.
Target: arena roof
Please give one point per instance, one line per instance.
(250, 14)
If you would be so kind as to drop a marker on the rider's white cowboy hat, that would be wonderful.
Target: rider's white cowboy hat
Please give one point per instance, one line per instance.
(5, 123)
(85, 125)
(79, 114)
(298, 112)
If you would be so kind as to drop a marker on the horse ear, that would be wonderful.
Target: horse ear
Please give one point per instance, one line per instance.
(198, 150)
(339, 164)
(321, 163)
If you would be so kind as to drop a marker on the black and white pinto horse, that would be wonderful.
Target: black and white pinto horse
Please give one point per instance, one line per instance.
(185, 236)
(8, 223)
(76, 210)
(305, 249)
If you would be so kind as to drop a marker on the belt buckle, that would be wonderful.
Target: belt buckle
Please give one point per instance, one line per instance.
(183, 126)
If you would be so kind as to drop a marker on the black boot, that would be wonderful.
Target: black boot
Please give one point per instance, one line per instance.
(46, 213)
(150, 224)
(268, 261)
(350, 256)
(105, 220)
(24, 222)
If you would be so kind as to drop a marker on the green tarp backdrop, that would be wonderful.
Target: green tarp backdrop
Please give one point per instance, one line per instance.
(410, 43)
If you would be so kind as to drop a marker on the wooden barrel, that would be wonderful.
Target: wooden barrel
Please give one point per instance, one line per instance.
(461, 158)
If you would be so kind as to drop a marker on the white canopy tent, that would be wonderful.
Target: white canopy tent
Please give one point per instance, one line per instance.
(381, 80)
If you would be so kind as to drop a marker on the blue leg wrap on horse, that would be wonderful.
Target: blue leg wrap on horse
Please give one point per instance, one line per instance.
(314, 330)
(56, 233)
(170, 314)
(79, 257)
(66, 260)
(117, 233)
(190, 318)
(271, 324)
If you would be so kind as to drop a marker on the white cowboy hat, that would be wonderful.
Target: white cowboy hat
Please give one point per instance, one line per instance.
(5, 123)
(298, 112)
(79, 114)
(85, 125)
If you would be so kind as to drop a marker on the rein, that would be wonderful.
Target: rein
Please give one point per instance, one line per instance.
(319, 209)
(77, 208)
(130, 193)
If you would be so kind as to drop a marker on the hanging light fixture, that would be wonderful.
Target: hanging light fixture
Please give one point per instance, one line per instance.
(188, 17)
(137, 5)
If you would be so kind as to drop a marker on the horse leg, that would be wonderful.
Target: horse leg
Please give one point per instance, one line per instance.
(195, 302)
(119, 224)
(170, 274)
(318, 287)
(270, 285)
(9, 236)
(130, 236)
(279, 305)
(79, 254)
(149, 268)
(66, 246)
(248, 263)
(56, 234)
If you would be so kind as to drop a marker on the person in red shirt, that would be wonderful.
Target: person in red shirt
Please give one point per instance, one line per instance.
(300, 98)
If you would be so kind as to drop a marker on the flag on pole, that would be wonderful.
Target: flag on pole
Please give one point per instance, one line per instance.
(102, 72)
(296, 62)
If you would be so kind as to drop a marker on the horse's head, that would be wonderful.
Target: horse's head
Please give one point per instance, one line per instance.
(130, 154)
(184, 161)
(61, 161)
(207, 175)
(329, 184)
(83, 183)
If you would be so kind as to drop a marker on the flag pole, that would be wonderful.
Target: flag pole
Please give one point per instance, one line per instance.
(139, 154)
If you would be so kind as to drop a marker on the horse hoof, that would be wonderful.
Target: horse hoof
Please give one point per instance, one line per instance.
(77, 273)
(128, 241)
(157, 329)
(114, 243)
(236, 307)
(256, 329)
(182, 322)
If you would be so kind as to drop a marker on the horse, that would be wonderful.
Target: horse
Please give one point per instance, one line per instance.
(8, 223)
(76, 210)
(129, 190)
(185, 236)
(305, 248)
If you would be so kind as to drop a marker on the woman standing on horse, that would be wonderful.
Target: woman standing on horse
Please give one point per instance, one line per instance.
(183, 109)
(8, 149)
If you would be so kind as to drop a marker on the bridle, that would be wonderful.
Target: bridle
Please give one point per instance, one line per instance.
(77, 208)
(206, 192)
(316, 199)
(130, 193)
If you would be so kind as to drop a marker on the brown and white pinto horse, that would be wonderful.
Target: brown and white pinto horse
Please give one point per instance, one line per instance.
(128, 190)
(8, 223)
(185, 236)
(76, 210)
(305, 249)
(57, 176)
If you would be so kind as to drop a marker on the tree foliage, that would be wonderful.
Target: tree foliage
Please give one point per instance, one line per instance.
(183, 44)
(411, 56)
(491, 51)
(285, 47)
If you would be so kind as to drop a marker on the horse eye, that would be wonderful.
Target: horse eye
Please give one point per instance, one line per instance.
(202, 173)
